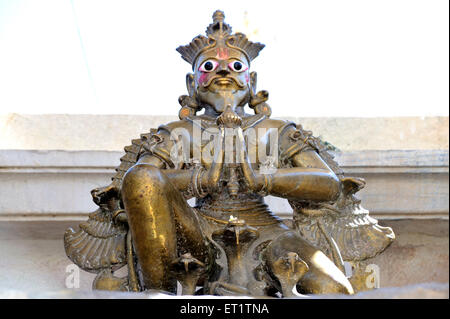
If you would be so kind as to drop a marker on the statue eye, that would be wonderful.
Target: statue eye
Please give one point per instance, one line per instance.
(237, 66)
(208, 66)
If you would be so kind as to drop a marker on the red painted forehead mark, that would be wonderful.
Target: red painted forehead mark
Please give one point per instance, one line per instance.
(222, 53)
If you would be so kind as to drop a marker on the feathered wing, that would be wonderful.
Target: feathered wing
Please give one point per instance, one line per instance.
(100, 242)
(132, 153)
(357, 235)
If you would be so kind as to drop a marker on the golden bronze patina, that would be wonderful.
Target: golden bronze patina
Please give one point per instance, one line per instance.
(229, 243)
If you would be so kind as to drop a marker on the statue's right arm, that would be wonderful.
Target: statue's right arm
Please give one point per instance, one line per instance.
(182, 178)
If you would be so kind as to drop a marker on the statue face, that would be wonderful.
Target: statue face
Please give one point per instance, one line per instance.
(222, 77)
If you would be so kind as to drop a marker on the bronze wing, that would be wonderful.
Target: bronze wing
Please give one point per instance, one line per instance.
(100, 242)
(344, 223)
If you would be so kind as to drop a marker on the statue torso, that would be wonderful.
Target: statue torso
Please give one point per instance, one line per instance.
(219, 206)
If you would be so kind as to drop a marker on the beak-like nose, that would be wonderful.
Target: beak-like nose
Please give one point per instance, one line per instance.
(223, 69)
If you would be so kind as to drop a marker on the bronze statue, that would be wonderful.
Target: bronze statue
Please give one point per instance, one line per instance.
(229, 243)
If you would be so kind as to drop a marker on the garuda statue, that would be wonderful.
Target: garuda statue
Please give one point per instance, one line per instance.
(229, 242)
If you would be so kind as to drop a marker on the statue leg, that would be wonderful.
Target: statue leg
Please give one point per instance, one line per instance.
(321, 277)
(160, 220)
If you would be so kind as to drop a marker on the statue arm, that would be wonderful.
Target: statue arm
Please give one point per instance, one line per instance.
(182, 178)
(179, 177)
(309, 179)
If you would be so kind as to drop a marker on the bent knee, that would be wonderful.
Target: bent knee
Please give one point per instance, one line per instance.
(142, 176)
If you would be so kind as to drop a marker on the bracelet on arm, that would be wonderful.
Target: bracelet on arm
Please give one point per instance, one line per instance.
(196, 182)
(267, 186)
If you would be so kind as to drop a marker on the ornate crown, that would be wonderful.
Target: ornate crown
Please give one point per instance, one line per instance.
(219, 35)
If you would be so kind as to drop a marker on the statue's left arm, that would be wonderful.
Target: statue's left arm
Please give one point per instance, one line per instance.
(309, 178)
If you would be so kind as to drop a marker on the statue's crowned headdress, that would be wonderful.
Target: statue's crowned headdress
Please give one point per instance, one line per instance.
(219, 35)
